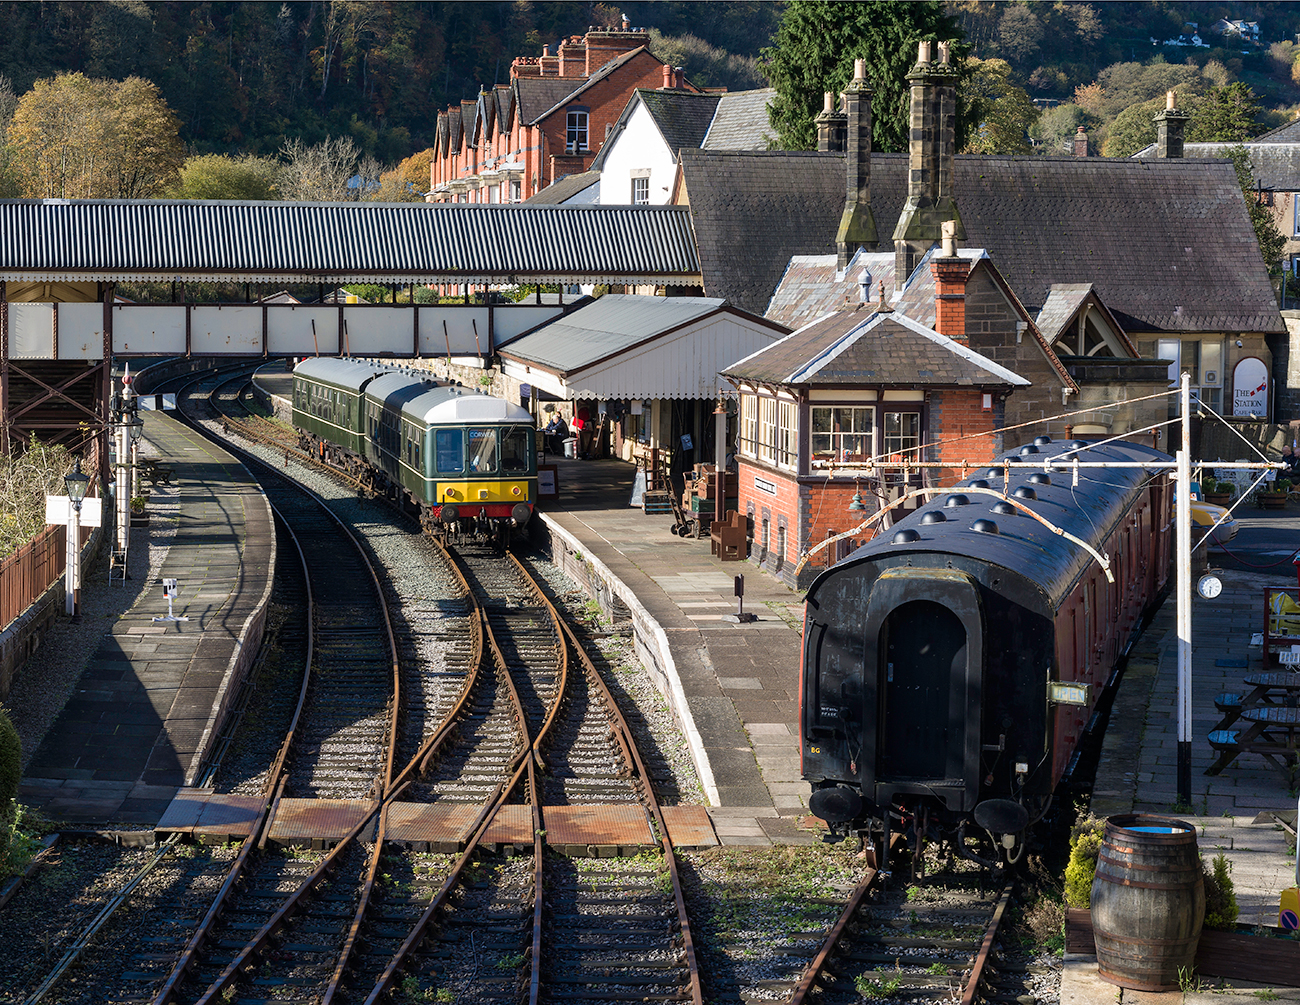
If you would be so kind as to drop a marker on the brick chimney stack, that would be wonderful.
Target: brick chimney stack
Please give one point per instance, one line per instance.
(1080, 143)
(831, 127)
(931, 152)
(857, 225)
(1169, 129)
(950, 274)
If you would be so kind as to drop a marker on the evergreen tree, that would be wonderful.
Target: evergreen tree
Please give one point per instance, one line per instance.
(1271, 241)
(814, 52)
(1224, 115)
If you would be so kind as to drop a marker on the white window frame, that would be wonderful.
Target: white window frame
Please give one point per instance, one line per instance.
(767, 429)
(906, 450)
(641, 191)
(832, 442)
(576, 135)
(749, 425)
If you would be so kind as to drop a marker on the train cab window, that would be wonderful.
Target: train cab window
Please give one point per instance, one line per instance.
(514, 450)
(483, 451)
(449, 451)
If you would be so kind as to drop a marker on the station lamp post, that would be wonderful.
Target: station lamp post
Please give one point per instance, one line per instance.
(76, 483)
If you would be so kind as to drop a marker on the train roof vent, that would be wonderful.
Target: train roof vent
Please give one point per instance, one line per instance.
(906, 536)
(1042, 441)
(934, 516)
(980, 483)
(1004, 509)
(1038, 478)
(984, 527)
(1025, 492)
(993, 473)
(1028, 449)
(957, 499)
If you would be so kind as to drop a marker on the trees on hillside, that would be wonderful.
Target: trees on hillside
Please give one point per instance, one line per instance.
(814, 51)
(77, 138)
(217, 176)
(1001, 113)
(1225, 115)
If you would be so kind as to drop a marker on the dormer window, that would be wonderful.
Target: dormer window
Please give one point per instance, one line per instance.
(575, 136)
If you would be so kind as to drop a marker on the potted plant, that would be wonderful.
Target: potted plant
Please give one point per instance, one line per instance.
(1217, 493)
(1275, 497)
(139, 517)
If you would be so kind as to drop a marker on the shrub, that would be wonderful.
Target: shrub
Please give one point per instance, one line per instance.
(11, 760)
(1085, 844)
(1220, 898)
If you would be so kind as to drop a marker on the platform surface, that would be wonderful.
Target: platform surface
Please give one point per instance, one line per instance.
(129, 736)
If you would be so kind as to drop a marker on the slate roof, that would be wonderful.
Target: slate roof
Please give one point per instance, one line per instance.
(865, 345)
(681, 116)
(604, 327)
(1287, 133)
(812, 286)
(538, 95)
(741, 121)
(588, 82)
(1162, 240)
(1274, 165)
(565, 189)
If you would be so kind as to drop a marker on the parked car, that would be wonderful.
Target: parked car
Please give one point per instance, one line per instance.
(1203, 517)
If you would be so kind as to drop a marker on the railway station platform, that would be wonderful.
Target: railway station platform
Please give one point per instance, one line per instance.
(736, 686)
(151, 694)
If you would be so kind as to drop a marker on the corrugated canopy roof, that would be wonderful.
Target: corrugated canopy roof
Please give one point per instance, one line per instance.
(277, 242)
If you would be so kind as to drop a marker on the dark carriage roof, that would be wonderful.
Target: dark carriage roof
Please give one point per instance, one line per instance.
(1022, 545)
(1167, 243)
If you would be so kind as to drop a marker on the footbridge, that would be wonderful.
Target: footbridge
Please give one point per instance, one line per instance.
(61, 261)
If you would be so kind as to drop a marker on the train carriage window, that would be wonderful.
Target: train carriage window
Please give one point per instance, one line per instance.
(514, 449)
(449, 451)
(483, 450)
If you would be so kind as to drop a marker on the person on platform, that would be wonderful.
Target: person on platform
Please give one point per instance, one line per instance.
(557, 431)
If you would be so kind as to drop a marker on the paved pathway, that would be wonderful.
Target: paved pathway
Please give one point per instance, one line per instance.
(144, 710)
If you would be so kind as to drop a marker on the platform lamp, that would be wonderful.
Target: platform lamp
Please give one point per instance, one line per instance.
(76, 483)
(857, 505)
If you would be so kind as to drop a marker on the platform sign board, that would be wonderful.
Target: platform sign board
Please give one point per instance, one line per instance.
(1250, 388)
(548, 485)
(57, 511)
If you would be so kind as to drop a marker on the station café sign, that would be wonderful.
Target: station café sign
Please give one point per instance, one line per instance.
(1250, 389)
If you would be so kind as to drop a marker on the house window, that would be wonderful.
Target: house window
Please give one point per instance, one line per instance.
(787, 430)
(841, 434)
(902, 433)
(515, 192)
(575, 136)
(640, 191)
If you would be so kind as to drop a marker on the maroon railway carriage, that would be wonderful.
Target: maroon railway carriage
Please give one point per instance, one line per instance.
(952, 664)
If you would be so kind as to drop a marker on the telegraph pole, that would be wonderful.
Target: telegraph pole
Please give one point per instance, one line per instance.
(1183, 551)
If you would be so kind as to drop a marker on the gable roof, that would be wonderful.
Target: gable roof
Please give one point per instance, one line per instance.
(566, 188)
(536, 96)
(1274, 165)
(866, 344)
(610, 68)
(1064, 303)
(813, 286)
(1288, 132)
(682, 117)
(1044, 220)
(741, 121)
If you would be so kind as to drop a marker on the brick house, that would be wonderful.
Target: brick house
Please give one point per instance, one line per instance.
(548, 122)
(839, 412)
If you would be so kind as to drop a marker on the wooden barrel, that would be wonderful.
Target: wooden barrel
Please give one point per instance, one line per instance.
(1148, 902)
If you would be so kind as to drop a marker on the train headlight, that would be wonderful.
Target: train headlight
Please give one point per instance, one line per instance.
(515, 491)
(520, 514)
(450, 514)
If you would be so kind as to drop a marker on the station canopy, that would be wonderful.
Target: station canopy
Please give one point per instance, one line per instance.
(629, 347)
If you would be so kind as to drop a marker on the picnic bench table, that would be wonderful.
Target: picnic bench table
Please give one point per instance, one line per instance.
(155, 471)
(1273, 733)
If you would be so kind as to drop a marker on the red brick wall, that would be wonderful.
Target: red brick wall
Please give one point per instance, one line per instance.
(959, 416)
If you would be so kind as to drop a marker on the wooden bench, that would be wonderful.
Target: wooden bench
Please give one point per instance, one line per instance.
(728, 538)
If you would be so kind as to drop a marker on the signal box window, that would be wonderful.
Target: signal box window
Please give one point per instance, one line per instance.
(902, 432)
(842, 434)
(450, 451)
(575, 136)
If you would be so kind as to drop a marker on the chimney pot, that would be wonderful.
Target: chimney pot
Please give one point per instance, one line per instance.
(945, 48)
(668, 76)
(1169, 100)
(949, 231)
(828, 102)
(1080, 143)
(859, 69)
(923, 52)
